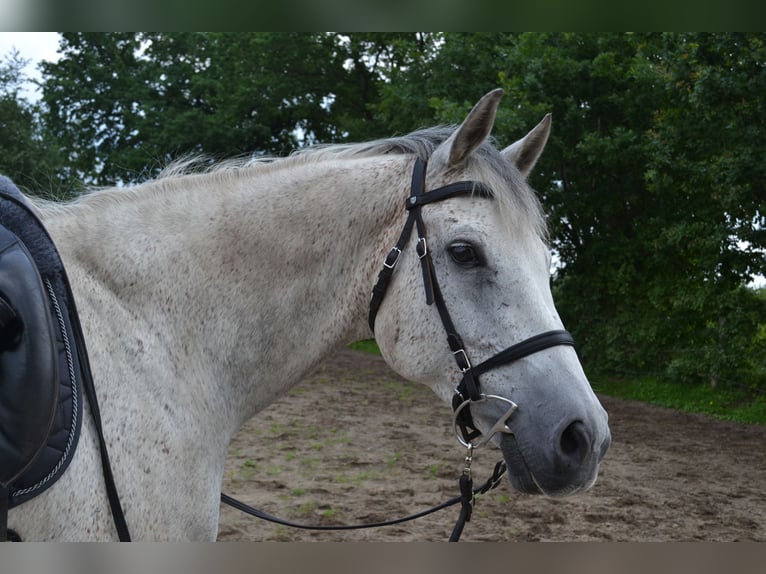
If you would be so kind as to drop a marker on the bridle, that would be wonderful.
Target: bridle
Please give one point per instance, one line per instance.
(467, 391)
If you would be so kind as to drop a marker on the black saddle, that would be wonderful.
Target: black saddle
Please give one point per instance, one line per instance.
(40, 371)
(28, 362)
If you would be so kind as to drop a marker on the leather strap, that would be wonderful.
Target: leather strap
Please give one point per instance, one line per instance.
(525, 348)
(90, 390)
(418, 197)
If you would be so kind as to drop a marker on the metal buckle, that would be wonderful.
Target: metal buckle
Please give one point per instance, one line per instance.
(395, 252)
(467, 363)
(500, 426)
(422, 242)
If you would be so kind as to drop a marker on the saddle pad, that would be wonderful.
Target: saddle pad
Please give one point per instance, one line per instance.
(28, 362)
(55, 452)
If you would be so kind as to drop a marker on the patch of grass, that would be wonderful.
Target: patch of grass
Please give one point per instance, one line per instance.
(367, 346)
(247, 471)
(282, 534)
(340, 439)
(365, 475)
(329, 512)
(277, 429)
(309, 463)
(433, 470)
(400, 390)
(308, 507)
(311, 431)
(273, 470)
(356, 478)
(738, 405)
(394, 459)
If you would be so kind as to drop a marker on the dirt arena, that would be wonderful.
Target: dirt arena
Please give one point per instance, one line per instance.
(355, 443)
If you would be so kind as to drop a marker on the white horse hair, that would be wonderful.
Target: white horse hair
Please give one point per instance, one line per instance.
(205, 296)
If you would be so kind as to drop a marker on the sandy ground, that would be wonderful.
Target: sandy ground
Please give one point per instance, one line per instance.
(355, 443)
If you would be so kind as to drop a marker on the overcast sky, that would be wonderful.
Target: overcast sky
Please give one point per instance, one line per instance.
(33, 46)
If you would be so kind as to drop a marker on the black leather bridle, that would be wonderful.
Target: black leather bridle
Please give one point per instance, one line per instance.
(467, 390)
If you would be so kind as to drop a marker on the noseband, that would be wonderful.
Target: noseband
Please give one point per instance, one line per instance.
(467, 391)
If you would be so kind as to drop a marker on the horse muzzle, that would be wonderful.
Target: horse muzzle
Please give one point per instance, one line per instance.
(564, 464)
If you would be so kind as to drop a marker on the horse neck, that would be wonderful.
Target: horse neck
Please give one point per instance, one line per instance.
(251, 280)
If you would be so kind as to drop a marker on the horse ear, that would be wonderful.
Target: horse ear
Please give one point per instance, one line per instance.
(525, 152)
(475, 128)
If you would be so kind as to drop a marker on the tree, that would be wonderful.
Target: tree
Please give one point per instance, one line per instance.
(123, 104)
(652, 181)
(25, 156)
(707, 172)
(603, 101)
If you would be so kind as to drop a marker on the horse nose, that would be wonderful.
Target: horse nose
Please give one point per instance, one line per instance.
(575, 445)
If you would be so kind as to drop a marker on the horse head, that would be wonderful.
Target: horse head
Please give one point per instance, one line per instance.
(479, 248)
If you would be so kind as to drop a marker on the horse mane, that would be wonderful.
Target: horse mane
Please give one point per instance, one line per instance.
(421, 143)
(520, 205)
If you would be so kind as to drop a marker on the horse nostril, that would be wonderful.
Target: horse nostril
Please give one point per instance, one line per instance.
(575, 442)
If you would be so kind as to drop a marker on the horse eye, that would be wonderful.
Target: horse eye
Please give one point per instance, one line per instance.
(464, 254)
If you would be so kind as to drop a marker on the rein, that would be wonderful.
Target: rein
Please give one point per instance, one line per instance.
(467, 391)
(491, 483)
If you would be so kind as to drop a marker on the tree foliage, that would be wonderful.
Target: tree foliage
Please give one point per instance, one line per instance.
(126, 103)
(24, 156)
(652, 180)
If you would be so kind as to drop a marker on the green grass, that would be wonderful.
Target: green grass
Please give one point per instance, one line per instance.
(368, 346)
(737, 405)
